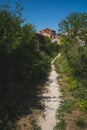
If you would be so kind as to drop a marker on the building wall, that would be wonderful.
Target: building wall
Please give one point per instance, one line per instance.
(51, 34)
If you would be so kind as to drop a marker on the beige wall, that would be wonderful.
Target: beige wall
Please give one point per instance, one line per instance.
(45, 34)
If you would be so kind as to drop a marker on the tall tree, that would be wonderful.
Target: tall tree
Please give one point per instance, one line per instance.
(73, 23)
(10, 26)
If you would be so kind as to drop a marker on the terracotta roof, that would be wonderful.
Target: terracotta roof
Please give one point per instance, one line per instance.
(47, 29)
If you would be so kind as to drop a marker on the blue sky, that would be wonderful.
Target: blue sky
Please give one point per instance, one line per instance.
(48, 13)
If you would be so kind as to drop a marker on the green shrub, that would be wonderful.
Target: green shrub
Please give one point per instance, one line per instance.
(72, 84)
(61, 125)
(83, 105)
(67, 106)
(81, 123)
(5, 124)
(67, 69)
(81, 93)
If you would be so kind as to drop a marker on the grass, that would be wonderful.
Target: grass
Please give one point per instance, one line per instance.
(6, 123)
(74, 103)
(67, 105)
(81, 123)
(61, 125)
(72, 83)
(83, 105)
(81, 93)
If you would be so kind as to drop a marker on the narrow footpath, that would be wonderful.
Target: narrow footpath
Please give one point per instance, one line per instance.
(51, 100)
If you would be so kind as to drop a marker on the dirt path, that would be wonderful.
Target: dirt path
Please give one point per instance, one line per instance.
(51, 100)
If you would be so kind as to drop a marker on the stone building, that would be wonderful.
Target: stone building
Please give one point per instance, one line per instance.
(50, 33)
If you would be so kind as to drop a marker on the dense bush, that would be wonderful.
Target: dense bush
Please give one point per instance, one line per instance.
(77, 58)
(22, 66)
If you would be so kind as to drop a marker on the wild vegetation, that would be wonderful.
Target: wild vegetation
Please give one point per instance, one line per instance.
(73, 24)
(24, 65)
(72, 66)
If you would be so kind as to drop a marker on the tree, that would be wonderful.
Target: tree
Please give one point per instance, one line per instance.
(10, 26)
(10, 36)
(28, 33)
(73, 23)
(22, 66)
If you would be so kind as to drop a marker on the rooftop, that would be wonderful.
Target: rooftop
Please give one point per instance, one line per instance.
(48, 29)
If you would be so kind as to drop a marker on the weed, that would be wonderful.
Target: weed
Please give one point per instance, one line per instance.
(81, 123)
(67, 106)
(73, 84)
(61, 125)
(59, 77)
(83, 105)
(81, 93)
(67, 69)
(6, 123)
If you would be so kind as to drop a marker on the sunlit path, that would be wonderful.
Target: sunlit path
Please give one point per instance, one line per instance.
(51, 100)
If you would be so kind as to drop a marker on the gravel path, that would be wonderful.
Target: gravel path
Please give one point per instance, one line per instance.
(51, 100)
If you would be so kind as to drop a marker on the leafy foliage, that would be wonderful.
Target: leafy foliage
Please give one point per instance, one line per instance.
(75, 67)
(73, 23)
(5, 123)
(81, 123)
(73, 84)
(61, 125)
(83, 105)
(22, 67)
(77, 57)
(67, 105)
